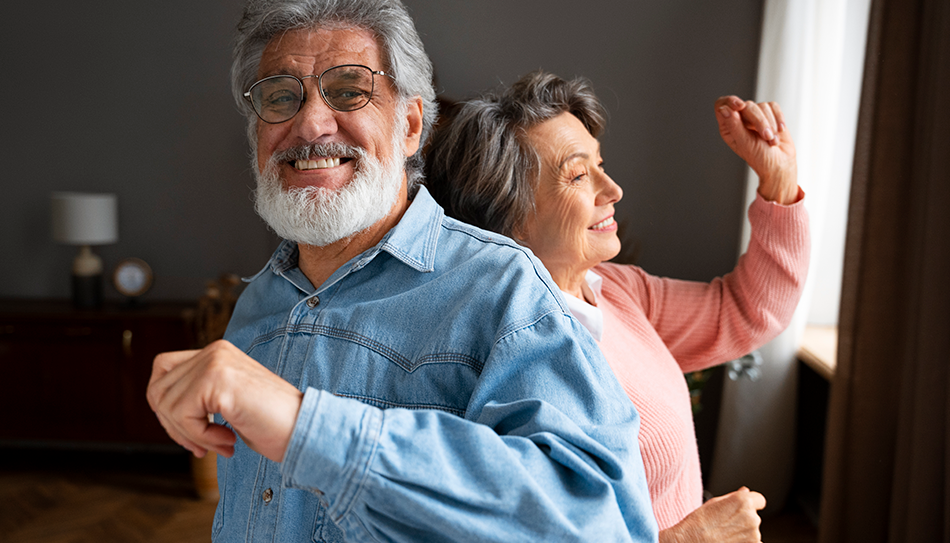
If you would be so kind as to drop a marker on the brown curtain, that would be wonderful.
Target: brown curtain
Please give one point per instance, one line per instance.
(885, 473)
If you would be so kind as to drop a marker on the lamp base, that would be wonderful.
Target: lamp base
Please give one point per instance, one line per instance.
(87, 291)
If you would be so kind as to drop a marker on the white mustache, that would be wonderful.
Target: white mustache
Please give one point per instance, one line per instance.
(321, 150)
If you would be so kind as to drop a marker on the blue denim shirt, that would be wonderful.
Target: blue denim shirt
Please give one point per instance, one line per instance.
(448, 396)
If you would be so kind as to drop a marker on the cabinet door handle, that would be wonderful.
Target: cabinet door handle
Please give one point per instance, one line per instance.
(127, 343)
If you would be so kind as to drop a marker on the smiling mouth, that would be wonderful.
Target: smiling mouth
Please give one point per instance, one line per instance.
(606, 223)
(319, 164)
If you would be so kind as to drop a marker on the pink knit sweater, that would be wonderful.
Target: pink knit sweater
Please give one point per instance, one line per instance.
(655, 329)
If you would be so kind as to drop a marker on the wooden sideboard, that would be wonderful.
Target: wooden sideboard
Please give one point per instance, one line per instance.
(72, 377)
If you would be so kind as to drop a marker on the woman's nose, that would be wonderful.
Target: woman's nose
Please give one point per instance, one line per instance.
(609, 192)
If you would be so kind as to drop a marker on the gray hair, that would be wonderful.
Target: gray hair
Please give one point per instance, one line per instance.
(480, 166)
(388, 20)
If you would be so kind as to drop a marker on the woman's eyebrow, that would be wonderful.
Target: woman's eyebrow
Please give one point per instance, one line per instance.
(577, 154)
(570, 157)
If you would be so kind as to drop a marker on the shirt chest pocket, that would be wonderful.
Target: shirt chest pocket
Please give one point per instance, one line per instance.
(388, 374)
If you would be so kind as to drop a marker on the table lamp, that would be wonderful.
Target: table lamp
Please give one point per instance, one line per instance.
(85, 220)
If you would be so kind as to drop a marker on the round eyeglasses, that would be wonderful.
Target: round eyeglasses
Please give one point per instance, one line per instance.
(347, 87)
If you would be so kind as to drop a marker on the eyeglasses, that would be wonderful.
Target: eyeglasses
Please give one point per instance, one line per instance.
(347, 87)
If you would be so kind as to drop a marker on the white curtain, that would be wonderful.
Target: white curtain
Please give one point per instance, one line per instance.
(810, 62)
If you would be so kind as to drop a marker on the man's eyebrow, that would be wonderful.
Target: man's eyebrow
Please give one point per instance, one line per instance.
(283, 70)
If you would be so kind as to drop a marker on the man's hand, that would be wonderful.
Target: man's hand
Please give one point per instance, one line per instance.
(187, 386)
(758, 134)
(732, 518)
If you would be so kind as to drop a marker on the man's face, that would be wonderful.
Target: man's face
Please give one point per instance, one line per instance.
(309, 52)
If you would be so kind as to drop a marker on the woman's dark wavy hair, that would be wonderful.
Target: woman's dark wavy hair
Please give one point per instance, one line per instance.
(480, 166)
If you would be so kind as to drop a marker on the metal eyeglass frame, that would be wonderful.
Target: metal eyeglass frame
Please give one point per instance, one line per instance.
(303, 93)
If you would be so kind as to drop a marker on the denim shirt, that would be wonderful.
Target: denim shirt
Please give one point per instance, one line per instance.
(448, 396)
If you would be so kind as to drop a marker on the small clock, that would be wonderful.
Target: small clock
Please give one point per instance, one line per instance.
(132, 277)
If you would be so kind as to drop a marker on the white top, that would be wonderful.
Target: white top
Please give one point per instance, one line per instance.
(589, 315)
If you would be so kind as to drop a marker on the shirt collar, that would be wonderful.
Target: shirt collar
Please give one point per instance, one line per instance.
(595, 282)
(412, 241)
(588, 315)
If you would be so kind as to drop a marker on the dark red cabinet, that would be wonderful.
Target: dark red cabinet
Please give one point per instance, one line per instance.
(71, 376)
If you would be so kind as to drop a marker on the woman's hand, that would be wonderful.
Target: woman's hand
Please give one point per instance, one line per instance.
(730, 518)
(758, 134)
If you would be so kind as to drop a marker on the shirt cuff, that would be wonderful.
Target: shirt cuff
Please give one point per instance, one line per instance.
(330, 450)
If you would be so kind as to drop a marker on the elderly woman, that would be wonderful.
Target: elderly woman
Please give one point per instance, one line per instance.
(526, 163)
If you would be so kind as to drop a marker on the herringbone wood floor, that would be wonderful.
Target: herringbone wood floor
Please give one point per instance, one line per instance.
(70, 497)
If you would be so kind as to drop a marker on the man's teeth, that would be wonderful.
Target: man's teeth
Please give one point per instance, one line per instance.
(603, 224)
(317, 164)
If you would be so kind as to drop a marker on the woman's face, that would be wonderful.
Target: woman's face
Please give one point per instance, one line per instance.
(573, 228)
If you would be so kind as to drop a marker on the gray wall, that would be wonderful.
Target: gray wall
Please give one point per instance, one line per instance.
(133, 98)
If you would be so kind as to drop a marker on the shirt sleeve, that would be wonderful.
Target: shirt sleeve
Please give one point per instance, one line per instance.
(704, 324)
(547, 451)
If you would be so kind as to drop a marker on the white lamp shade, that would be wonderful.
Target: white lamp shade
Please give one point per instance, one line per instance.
(85, 219)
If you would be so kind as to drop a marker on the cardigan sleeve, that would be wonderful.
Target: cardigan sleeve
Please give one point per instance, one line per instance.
(704, 324)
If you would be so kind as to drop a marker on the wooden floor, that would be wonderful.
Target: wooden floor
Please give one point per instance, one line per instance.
(70, 497)
(58, 497)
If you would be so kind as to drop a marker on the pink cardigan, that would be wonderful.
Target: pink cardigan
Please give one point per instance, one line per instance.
(655, 329)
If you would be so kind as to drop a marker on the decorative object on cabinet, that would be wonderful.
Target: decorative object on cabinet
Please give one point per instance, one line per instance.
(132, 277)
(215, 308)
(85, 220)
(214, 312)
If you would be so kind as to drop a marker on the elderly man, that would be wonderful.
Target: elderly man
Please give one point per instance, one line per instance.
(391, 374)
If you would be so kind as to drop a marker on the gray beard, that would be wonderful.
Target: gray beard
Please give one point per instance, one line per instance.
(319, 216)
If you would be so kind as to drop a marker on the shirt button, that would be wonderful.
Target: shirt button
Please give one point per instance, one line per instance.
(268, 495)
(313, 302)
